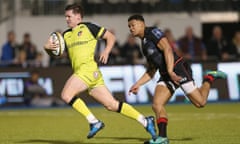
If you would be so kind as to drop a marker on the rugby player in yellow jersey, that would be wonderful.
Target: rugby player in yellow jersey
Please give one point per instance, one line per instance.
(81, 39)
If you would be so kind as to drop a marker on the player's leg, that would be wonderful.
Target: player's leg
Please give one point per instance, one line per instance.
(187, 84)
(73, 86)
(199, 96)
(162, 95)
(194, 94)
(104, 96)
(209, 78)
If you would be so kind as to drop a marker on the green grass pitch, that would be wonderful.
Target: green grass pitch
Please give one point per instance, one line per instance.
(214, 124)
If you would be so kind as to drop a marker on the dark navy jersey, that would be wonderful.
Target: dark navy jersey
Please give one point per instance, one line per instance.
(156, 60)
(153, 54)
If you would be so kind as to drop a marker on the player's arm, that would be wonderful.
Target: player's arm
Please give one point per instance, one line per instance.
(101, 33)
(50, 45)
(148, 75)
(134, 89)
(168, 54)
(144, 79)
(110, 40)
(169, 58)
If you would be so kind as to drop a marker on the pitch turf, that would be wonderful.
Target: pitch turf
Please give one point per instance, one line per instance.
(214, 124)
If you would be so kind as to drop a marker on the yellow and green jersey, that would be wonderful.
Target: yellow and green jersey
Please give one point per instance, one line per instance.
(81, 43)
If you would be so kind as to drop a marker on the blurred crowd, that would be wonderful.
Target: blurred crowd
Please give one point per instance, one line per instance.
(189, 45)
(217, 48)
(24, 54)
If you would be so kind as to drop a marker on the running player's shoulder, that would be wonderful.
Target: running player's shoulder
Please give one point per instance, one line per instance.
(85, 23)
(158, 33)
(89, 24)
(66, 31)
(96, 30)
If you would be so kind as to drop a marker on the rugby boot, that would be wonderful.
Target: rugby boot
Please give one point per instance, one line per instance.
(94, 128)
(216, 74)
(213, 75)
(151, 127)
(158, 140)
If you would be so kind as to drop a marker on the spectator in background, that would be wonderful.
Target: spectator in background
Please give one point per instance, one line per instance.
(21, 59)
(115, 56)
(218, 46)
(191, 47)
(28, 56)
(9, 49)
(130, 52)
(171, 40)
(29, 47)
(235, 48)
(32, 89)
(34, 93)
(38, 62)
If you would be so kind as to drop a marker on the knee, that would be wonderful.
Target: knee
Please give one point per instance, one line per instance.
(111, 106)
(200, 104)
(157, 107)
(65, 97)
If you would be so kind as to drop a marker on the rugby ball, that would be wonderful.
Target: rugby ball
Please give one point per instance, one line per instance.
(57, 38)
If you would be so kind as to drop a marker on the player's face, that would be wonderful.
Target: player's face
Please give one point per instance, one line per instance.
(136, 28)
(72, 19)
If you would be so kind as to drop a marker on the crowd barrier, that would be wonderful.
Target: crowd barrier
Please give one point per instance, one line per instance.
(118, 79)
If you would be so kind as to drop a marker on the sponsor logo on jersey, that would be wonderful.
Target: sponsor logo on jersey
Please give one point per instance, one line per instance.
(144, 40)
(184, 79)
(95, 74)
(79, 33)
(78, 43)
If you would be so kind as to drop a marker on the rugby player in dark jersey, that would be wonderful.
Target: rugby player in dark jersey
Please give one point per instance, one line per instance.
(174, 72)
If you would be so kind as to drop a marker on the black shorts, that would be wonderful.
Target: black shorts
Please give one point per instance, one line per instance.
(181, 68)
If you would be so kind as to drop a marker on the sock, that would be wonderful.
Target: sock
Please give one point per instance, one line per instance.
(81, 107)
(208, 78)
(91, 118)
(130, 112)
(162, 126)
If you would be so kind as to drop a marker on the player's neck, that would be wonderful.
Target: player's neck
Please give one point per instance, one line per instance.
(141, 34)
(74, 27)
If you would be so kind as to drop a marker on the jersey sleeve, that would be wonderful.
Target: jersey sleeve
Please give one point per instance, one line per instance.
(156, 35)
(96, 30)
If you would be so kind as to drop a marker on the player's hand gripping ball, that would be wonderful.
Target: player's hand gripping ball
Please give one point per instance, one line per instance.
(57, 38)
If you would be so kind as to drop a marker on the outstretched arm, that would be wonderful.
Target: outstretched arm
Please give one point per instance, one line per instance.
(144, 79)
